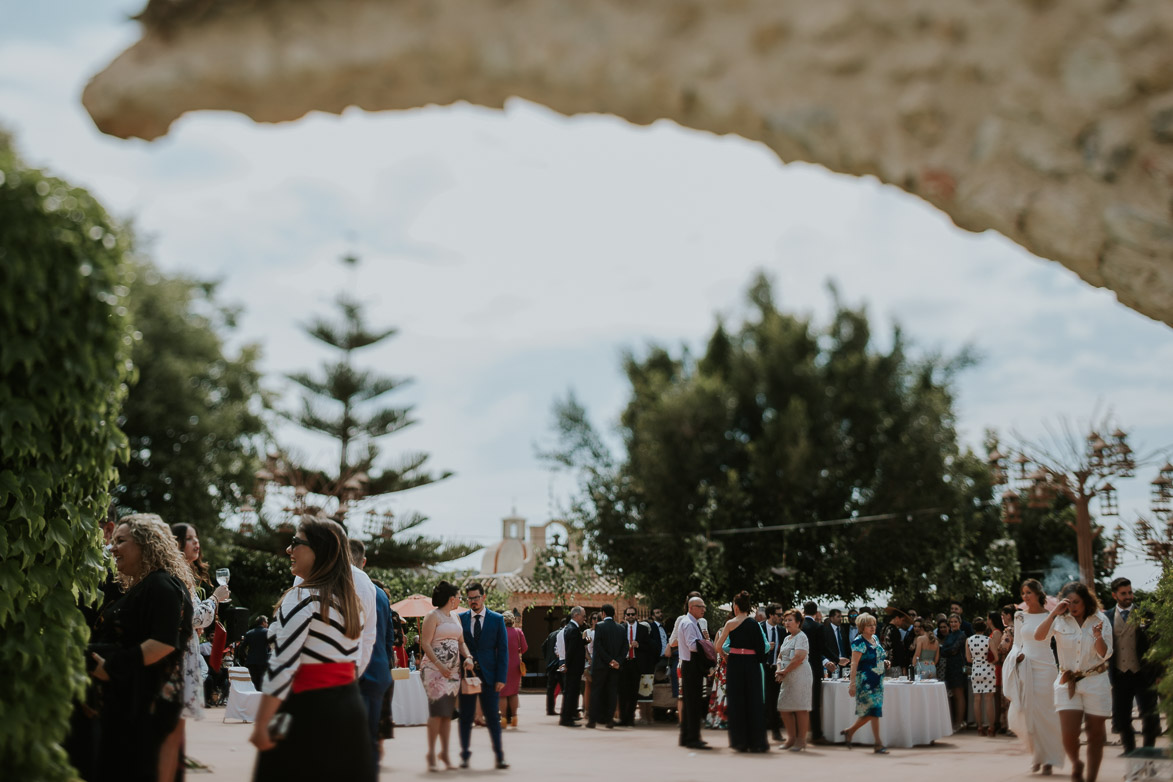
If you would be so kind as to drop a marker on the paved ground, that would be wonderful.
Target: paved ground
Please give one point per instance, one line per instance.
(539, 750)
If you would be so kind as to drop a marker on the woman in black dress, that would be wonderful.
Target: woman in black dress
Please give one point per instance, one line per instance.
(744, 686)
(137, 650)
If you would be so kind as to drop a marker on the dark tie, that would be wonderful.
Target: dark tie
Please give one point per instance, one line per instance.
(1124, 614)
(774, 641)
(476, 629)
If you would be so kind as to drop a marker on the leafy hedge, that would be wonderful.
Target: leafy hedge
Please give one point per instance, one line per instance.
(64, 361)
(1160, 605)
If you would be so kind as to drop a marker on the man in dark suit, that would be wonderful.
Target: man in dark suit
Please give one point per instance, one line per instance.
(638, 638)
(895, 643)
(1132, 678)
(575, 663)
(553, 669)
(610, 649)
(774, 637)
(837, 638)
(814, 636)
(484, 634)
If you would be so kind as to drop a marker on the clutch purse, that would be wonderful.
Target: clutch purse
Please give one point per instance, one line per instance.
(399, 674)
(470, 685)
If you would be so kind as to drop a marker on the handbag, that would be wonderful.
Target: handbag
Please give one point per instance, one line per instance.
(706, 646)
(522, 664)
(470, 685)
(219, 641)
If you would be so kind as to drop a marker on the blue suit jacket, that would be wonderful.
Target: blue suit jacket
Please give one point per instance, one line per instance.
(492, 653)
(378, 670)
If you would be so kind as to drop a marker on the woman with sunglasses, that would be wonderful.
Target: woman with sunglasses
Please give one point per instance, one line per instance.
(321, 730)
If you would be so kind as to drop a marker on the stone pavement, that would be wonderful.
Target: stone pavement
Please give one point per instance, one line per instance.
(540, 750)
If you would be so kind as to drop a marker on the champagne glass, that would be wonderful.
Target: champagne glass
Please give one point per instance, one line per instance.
(222, 578)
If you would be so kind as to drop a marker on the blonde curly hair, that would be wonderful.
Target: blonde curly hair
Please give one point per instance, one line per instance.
(159, 550)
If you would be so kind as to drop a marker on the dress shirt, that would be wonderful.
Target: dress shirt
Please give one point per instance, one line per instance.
(772, 637)
(663, 636)
(472, 627)
(631, 640)
(1076, 645)
(689, 632)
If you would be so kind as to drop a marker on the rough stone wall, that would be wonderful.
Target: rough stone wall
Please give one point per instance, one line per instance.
(1048, 121)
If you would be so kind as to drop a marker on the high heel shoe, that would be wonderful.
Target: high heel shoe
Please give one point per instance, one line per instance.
(447, 763)
(846, 737)
(432, 762)
(1077, 771)
(880, 750)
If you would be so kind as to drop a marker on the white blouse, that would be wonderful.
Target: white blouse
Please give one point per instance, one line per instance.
(1076, 645)
(299, 635)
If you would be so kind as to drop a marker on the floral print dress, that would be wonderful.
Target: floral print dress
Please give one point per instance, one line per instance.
(869, 678)
(715, 719)
(204, 613)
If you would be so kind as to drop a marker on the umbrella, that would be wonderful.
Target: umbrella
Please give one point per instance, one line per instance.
(1048, 604)
(413, 606)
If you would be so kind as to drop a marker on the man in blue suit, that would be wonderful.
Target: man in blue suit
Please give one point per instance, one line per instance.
(484, 633)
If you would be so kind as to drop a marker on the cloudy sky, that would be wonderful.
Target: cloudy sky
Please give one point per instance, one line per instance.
(520, 252)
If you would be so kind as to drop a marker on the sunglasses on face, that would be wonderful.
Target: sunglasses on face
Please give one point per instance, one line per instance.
(298, 542)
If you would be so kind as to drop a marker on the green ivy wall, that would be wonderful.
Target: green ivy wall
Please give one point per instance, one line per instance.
(64, 350)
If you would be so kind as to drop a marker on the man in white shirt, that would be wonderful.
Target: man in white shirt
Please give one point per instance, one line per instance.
(694, 665)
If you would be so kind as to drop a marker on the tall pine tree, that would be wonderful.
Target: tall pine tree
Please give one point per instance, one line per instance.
(342, 401)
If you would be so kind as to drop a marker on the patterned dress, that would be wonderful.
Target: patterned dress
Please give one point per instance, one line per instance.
(442, 690)
(869, 678)
(982, 675)
(716, 719)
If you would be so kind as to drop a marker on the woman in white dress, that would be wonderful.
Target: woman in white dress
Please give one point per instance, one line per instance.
(982, 677)
(1082, 692)
(1029, 682)
(794, 673)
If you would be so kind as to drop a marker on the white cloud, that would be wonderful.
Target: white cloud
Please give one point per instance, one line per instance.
(519, 251)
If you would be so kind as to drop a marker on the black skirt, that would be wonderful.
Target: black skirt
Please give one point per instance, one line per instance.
(328, 738)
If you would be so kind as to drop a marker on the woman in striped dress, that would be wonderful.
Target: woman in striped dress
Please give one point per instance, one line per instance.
(311, 675)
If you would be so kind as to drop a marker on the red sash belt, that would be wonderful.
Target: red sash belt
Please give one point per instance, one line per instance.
(742, 651)
(317, 676)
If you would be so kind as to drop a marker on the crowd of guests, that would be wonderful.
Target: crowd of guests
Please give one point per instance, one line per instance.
(1061, 665)
(324, 666)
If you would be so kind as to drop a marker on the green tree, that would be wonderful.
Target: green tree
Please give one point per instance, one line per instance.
(342, 402)
(788, 460)
(64, 364)
(193, 418)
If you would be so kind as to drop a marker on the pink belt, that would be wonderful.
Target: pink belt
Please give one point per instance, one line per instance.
(743, 651)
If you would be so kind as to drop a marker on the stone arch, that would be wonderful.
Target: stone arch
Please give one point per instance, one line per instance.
(1049, 121)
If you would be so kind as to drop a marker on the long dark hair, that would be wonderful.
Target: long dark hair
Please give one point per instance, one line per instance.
(199, 568)
(331, 575)
(1090, 604)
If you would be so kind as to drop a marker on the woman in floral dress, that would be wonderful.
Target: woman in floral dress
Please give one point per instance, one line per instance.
(443, 647)
(867, 681)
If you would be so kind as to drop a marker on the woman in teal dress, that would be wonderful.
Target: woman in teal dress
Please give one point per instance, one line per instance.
(867, 681)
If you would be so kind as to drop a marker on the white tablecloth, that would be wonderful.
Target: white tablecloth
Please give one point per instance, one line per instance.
(409, 704)
(914, 713)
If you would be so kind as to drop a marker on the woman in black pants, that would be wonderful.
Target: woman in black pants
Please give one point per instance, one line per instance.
(310, 684)
(744, 686)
